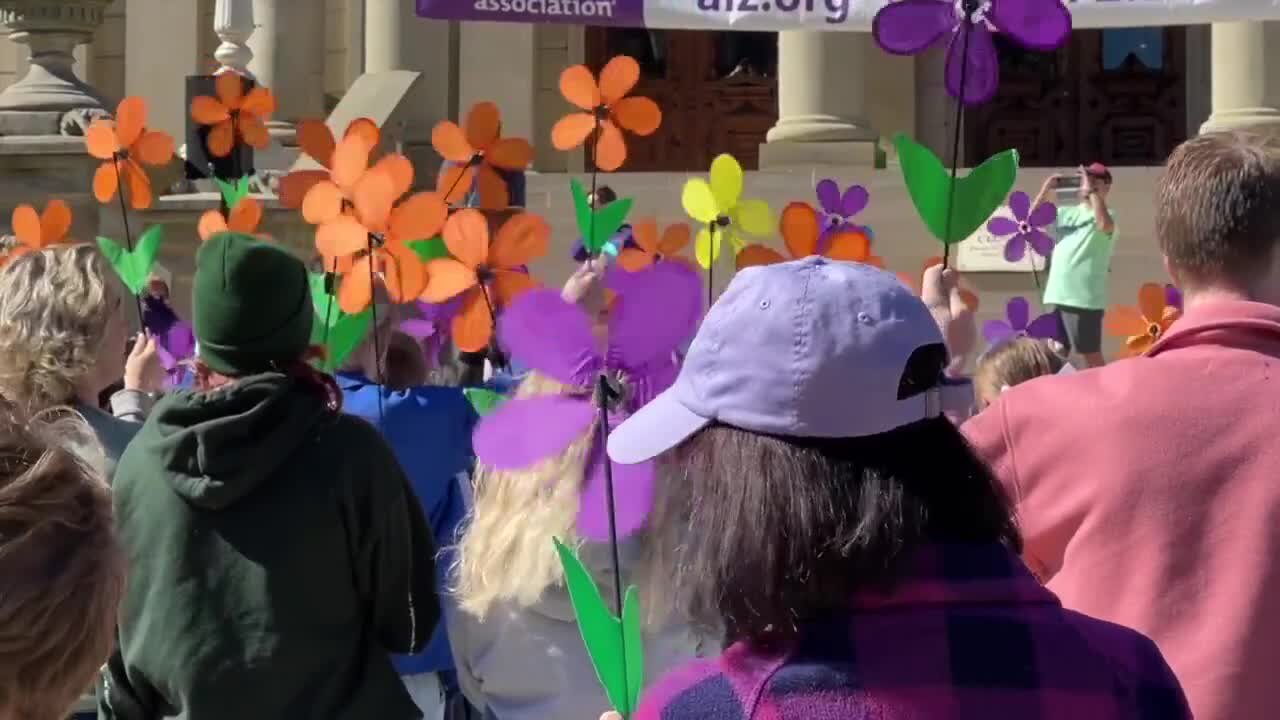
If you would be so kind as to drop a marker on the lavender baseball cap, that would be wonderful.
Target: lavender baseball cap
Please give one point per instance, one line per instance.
(811, 348)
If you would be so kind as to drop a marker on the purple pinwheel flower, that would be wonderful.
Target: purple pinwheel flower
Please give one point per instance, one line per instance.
(175, 340)
(1018, 323)
(908, 27)
(658, 309)
(1026, 227)
(1172, 297)
(838, 209)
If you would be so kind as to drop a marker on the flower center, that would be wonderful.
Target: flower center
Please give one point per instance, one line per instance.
(973, 11)
(721, 221)
(601, 113)
(1024, 227)
(1154, 331)
(475, 159)
(484, 274)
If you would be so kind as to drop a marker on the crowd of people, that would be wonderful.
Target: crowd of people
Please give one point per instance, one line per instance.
(843, 525)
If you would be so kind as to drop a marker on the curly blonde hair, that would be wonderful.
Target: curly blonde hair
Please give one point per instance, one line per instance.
(62, 568)
(54, 309)
(506, 553)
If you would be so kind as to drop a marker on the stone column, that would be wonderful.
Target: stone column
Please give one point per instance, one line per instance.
(51, 29)
(157, 29)
(288, 57)
(1246, 77)
(821, 101)
(396, 39)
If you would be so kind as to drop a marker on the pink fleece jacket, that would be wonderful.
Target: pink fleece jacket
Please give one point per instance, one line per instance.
(1148, 492)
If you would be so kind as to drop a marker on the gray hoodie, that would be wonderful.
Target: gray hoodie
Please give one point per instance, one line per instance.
(530, 663)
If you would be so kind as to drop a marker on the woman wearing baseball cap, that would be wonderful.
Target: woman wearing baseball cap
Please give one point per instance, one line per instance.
(816, 505)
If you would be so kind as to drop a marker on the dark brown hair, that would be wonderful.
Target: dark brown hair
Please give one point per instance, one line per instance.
(61, 566)
(1218, 207)
(406, 366)
(759, 534)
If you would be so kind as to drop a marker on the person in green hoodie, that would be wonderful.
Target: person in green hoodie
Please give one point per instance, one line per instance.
(276, 552)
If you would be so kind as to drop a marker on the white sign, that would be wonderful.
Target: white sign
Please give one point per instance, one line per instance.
(856, 15)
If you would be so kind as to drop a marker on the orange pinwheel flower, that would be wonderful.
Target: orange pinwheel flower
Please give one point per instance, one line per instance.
(348, 166)
(484, 274)
(375, 239)
(607, 108)
(1143, 325)
(317, 141)
(245, 217)
(234, 113)
(913, 283)
(674, 239)
(478, 151)
(801, 230)
(123, 144)
(38, 231)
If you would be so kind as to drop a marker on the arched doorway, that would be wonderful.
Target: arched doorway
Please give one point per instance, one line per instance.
(718, 92)
(1115, 96)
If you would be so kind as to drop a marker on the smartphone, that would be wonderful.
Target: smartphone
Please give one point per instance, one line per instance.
(1067, 182)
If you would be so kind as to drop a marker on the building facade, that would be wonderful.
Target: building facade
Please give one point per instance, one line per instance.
(1121, 96)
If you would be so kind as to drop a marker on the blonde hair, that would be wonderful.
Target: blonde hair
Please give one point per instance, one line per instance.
(62, 570)
(506, 552)
(1011, 363)
(54, 309)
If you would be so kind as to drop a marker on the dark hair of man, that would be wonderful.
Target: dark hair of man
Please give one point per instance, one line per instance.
(1218, 208)
(756, 535)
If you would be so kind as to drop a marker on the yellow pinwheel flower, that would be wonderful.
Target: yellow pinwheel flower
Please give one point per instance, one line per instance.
(723, 214)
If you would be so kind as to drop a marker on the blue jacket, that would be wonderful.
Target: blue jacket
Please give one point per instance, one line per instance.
(429, 429)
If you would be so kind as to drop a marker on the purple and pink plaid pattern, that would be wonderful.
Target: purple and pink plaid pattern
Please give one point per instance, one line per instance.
(969, 635)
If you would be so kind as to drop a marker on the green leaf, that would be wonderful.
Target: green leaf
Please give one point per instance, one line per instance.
(602, 633)
(609, 219)
(484, 401)
(429, 249)
(597, 226)
(581, 207)
(337, 332)
(234, 191)
(977, 195)
(633, 645)
(134, 267)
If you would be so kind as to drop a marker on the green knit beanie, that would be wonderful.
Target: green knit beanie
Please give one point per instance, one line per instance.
(251, 305)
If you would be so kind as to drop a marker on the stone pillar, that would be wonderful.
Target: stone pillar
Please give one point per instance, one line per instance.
(396, 39)
(497, 62)
(821, 101)
(233, 23)
(51, 29)
(288, 57)
(170, 30)
(1246, 77)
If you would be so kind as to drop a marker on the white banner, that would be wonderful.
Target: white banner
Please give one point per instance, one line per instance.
(856, 15)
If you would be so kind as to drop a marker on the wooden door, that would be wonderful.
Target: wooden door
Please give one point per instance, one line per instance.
(718, 93)
(1113, 96)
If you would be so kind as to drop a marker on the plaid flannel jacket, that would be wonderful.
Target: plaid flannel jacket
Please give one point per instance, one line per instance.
(968, 634)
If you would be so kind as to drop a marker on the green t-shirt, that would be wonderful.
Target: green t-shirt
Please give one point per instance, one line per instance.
(1081, 260)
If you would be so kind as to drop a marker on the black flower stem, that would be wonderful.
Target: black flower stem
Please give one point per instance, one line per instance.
(711, 261)
(494, 351)
(377, 345)
(955, 139)
(128, 236)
